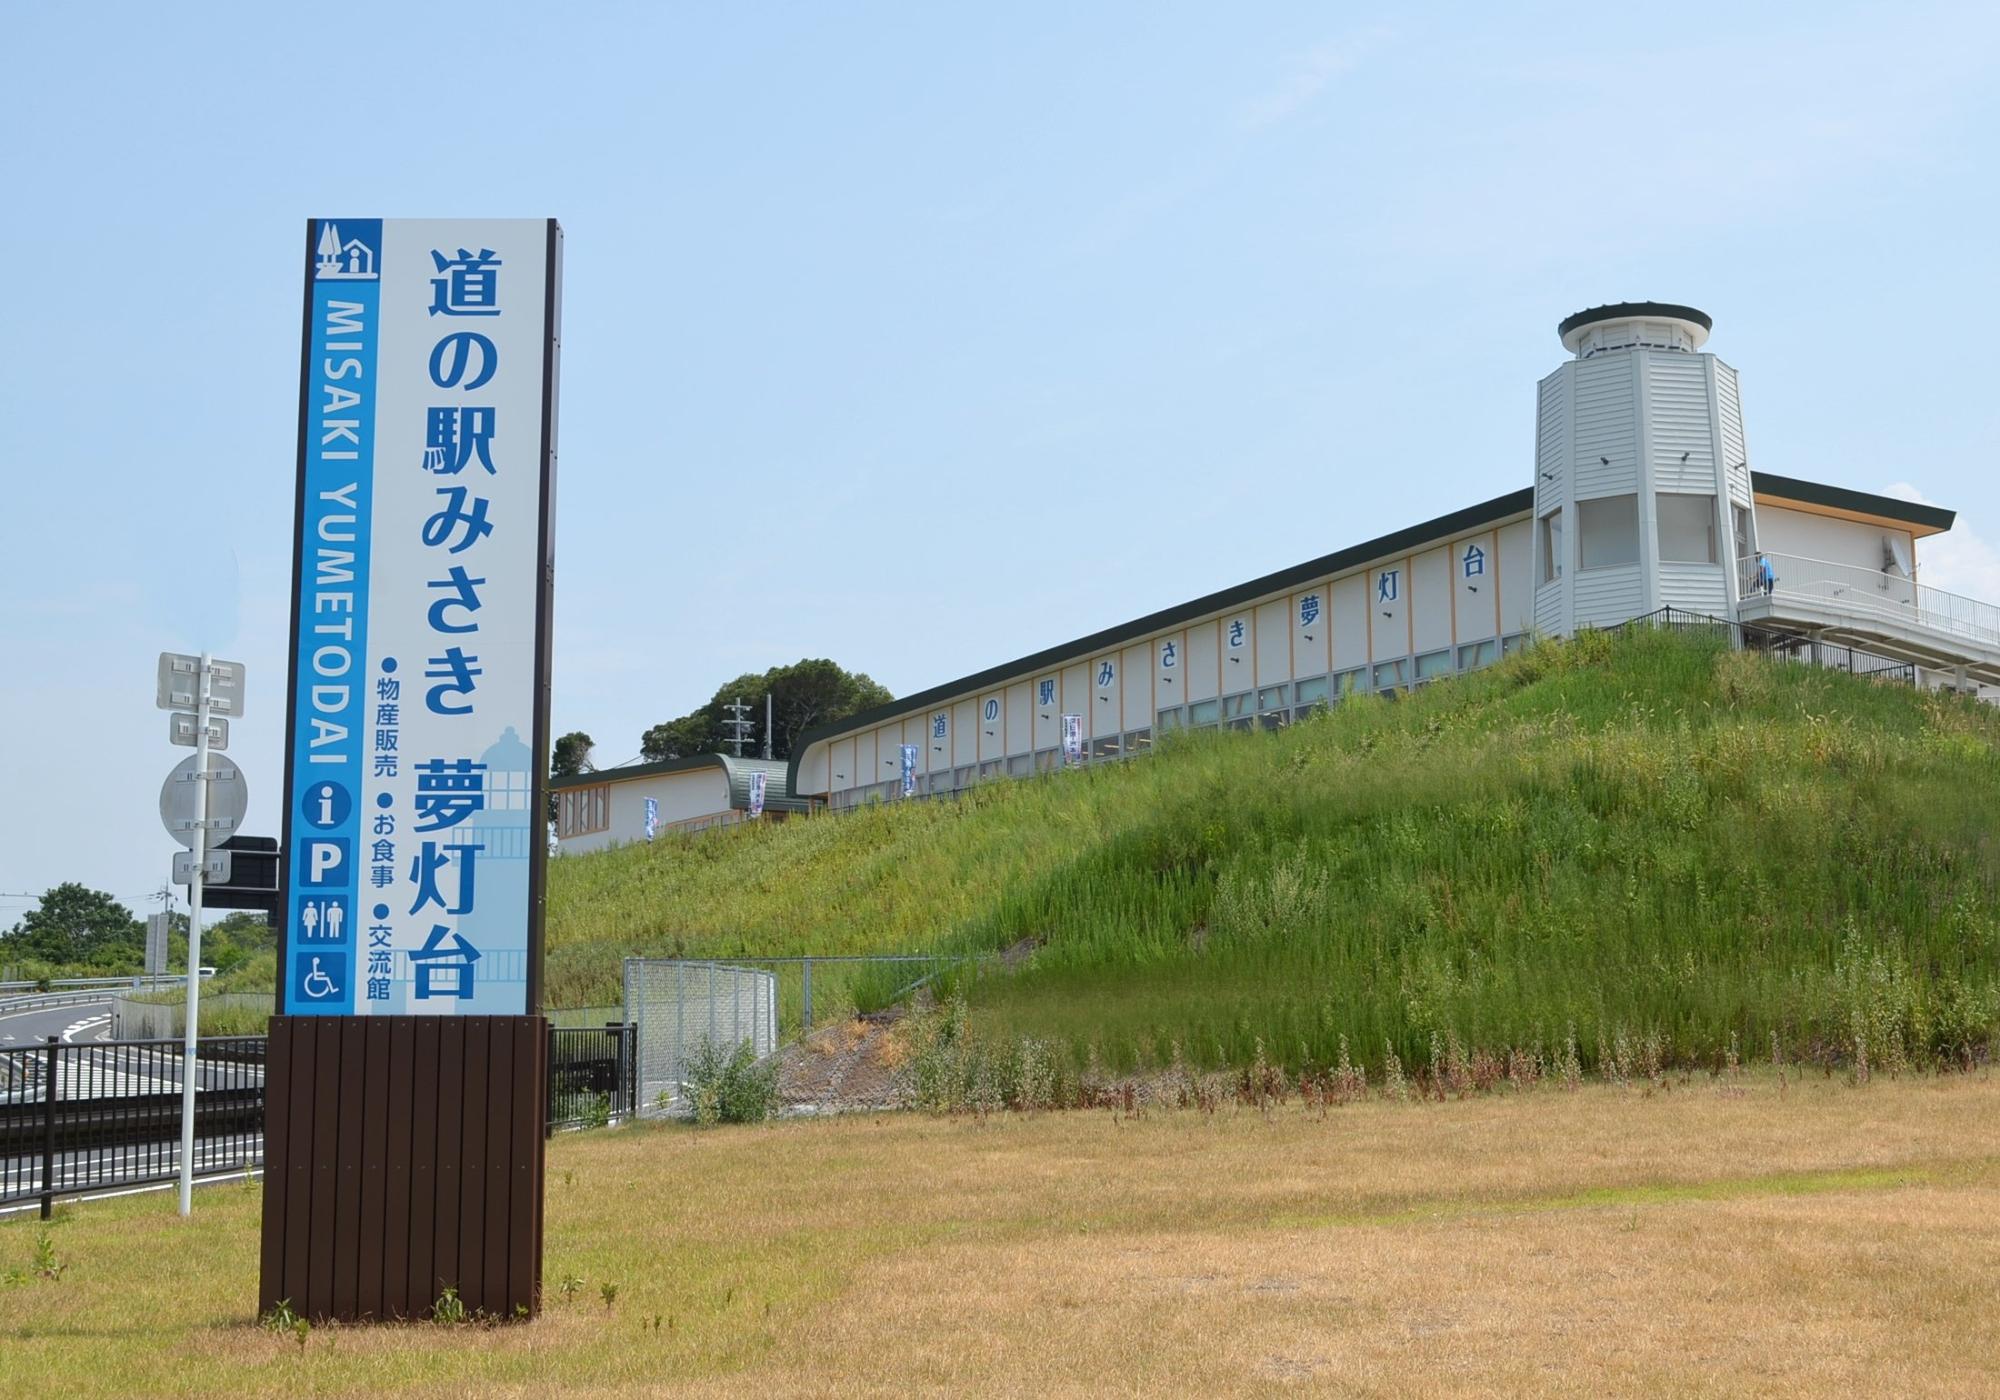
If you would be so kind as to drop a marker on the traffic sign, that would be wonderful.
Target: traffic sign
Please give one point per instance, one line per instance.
(180, 684)
(185, 730)
(181, 805)
(215, 867)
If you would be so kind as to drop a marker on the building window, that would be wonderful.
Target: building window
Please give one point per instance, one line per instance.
(1233, 705)
(1271, 697)
(1746, 543)
(1048, 760)
(1552, 546)
(991, 768)
(1390, 674)
(1473, 655)
(1433, 664)
(1349, 682)
(1687, 529)
(1106, 747)
(1512, 643)
(583, 810)
(962, 777)
(1607, 532)
(1138, 742)
(1311, 695)
(1020, 765)
(1167, 720)
(1203, 713)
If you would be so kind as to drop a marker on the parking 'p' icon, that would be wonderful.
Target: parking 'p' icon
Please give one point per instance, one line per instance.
(323, 862)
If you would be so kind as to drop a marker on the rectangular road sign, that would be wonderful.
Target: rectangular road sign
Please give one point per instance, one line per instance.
(183, 730)
(417, 744)
(216, 867)
(156, 945)
(179, 685)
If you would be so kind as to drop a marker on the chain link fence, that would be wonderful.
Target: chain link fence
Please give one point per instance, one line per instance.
(675, 1006)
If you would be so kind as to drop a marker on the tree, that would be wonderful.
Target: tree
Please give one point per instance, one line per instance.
(804, 695)
(76, 924)
(569, 754)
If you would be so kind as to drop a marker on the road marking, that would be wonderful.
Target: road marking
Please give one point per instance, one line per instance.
(70, 1031)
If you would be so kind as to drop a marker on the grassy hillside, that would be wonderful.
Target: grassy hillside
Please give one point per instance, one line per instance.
(1651, 839)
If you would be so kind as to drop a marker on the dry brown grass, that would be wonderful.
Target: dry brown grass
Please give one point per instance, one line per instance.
(1828, 1238)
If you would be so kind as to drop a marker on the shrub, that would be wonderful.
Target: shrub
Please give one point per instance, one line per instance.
(733, 1087)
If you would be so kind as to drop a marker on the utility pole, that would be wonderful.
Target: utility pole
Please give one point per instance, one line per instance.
(767, 724)
(739, 728)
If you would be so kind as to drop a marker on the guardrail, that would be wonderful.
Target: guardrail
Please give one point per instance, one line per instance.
(1875, 593)
(77, 1119)
(134, 980)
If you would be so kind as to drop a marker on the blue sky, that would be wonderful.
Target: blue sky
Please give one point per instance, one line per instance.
(1010, 321)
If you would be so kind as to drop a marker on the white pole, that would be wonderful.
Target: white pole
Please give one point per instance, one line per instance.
(194, 943)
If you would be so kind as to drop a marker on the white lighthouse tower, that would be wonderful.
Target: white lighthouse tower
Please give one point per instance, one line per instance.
(1642, 483)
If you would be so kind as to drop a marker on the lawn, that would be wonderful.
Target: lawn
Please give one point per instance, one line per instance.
(1649, 838)
(1715, 1237)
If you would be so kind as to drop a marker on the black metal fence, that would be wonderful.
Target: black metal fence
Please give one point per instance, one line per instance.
(82, 1118)
(592, 1076)
(92, 1117)
(1780, 645)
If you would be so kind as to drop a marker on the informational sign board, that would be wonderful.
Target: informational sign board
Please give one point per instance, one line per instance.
(652, 817)
(909, 770)
(417, 735)
(757, 794)
(1072, 740)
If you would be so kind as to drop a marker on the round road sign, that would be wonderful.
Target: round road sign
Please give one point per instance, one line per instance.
(180, 800)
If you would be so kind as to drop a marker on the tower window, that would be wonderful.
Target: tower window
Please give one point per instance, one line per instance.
(1687, 529)
(1607, 532)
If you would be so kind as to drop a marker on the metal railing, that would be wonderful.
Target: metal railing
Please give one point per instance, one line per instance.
(593, 1080)
(1880, 594)
(1779, 645)
(77, 1118)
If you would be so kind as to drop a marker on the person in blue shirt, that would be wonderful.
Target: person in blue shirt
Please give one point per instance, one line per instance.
(1766, 580)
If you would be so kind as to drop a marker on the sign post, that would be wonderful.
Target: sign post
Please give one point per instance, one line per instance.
(201, 795)
(409, 1031)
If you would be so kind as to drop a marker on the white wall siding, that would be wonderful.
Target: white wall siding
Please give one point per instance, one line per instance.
(1136, 678)
(1274, 644)
(1549, 609)
(1389, 610)
(1606, 412)
(1607, 597)
(1680, 423)
(1020, 717)
(1729, 425)
(1517, 576)
(1551, 446)
(1695, 587)
(1350, 621)
(1203, 662)
(1813, 536)
(964, 733)
(1474, 615)
(1431, 601)
(1239, 651)
(1310, 633)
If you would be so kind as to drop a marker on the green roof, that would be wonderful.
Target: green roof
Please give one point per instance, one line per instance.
(777, 784)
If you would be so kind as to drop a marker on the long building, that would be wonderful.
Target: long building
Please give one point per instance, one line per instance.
(1642, 498)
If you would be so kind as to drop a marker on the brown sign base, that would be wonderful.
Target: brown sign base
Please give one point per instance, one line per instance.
(402, 1159)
